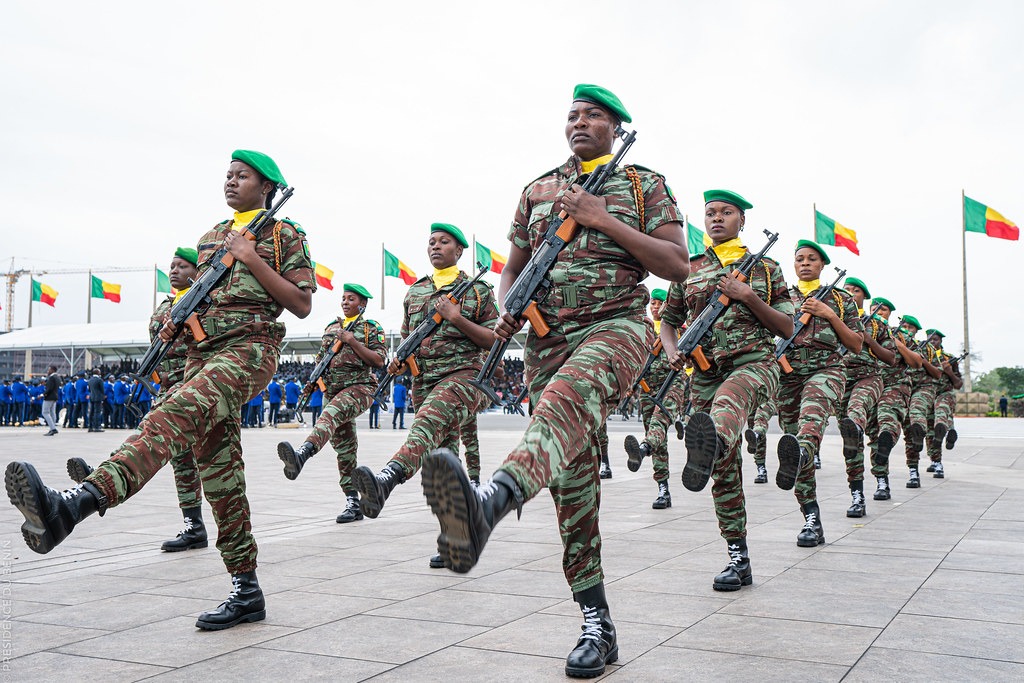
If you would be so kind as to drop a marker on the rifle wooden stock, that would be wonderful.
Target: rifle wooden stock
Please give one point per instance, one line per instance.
(784, 364)
(698, 357)
(414, 367)
(196, 327)
(537, 322)
(320, 384)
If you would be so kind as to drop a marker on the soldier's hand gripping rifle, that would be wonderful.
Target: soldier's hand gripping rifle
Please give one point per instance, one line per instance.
(316, 377)
(533, 284)
(411, 344)
(783, 344)
(864, 319)
(640, 382)
(689, 345)
(186, 310)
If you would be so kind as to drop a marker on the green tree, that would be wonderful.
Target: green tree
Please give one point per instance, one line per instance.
(989, 383)
(1012, 380)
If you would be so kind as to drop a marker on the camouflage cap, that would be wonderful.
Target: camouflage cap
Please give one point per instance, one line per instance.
(603, 97)
(263, 164)
(809, 244)
(857, 282)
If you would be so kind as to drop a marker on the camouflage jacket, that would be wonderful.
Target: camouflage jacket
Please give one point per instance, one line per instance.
(865, 363)
(817, 342)
(240, 306)
(659, 370)
(944, 383)
(900, 372)
(172, 369)
(737, 337)
(593, 278)
(919, 378)
(447, 350)
(347, 368)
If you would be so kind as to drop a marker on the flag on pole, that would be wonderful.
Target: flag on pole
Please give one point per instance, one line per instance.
(980, 218)
(490, 258)
(696, 239)
(395, 268)
(44, 293)
(163, 282)
(324, 275)
(833, 233)
(105, 290)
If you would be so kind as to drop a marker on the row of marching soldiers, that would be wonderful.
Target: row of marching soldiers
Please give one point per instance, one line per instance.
(576, 371)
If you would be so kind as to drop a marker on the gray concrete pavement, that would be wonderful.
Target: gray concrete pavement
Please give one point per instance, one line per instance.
(929, 586)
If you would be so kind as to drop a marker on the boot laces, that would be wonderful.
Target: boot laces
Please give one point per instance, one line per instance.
(883, 485)
(858, 497)
(485, 491)
(352, 503)
(735, 555)
(663, 488)
(592, 629)
(914, 474)
(761, 469)
(188, 525)
(938, 467)
(236, 587)
(385, 475)
(812, 518)
(73, 492)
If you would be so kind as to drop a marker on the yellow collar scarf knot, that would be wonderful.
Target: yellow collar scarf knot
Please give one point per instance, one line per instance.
(809, 286)
(657, 327)
(242, 220)
(730, 251)
(445, 276)
(349, 321)
(178, 296)
(589, 166)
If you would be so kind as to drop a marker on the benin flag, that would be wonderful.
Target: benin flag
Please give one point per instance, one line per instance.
(324, 275)
(44, 293)
(490, 258)
(980, 218)
(105, 290)
(396, 268)
(833, 233)
(696, 239)
(163, 282)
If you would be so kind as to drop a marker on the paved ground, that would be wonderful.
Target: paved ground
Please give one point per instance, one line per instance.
(929, 586)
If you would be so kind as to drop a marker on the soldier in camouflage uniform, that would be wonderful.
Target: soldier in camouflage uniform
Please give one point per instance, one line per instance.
(940, 420)
(233, 362)
(348, 384)
(656, 422)
(863, 389)
(597, 342)
(757, 436)
(810, 393)
(924, 383)
(742, 368)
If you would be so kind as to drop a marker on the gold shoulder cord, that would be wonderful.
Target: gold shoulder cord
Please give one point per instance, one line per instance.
(277, 247)
(768, 281)
(839, 302)
(638, 194)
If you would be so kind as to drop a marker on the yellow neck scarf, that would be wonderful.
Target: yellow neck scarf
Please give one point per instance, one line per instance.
(860, 312)
(589, 166)
(349, 321)
(729, 252)
(445, 276)
(808, 287)
(242, 220)
(657, 327)
(179, 295)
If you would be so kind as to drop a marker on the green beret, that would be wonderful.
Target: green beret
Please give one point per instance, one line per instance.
(263, 164)
(358, 289)
(911, 320)
(451, 230)
(187, 254)
(603, 97)
(816, 247)
(885, 302)
(934, 331)
(659, 294)
(727, 196)
(857, 282)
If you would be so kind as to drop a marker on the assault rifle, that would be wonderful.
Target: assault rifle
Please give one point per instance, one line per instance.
(186, 310)
(316, 377)
(640, 382)
(783, 345)
(864, 320)
(411, 344)
(689, 345)
(516, 405)
(533, 284)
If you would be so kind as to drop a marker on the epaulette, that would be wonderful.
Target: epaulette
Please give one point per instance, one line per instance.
(644, 168)
(225, 222)
(422, 279)
(371, 322)
(294, 224)
(769, 259)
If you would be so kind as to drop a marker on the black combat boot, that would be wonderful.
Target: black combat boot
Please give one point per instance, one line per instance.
(853, 438)
(597, 647)
(939, 433)
(812, 535)
(352, 511)
(50, 516)
(857, 508)
(467, 514)
(940, 473)
(751, 437)
(193, 536)
(436, 561)
(664, 499)
(606, 466)
(792, 458)
(635, 453)
(245, 603)
(78, 470)
(931, 466)
(374, 489)
(737, 573)
(915, 436)
(680, 429)
(294, 459)
(886, 440)
(882, 492)
(762, 475)
(817, 461)
(914, 481)
(951, 436)
(702, 450)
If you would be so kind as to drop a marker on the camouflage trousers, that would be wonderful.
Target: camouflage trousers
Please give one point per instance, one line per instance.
(656, 424)
(859, 403)
(731, 397)
(187, 482)
(890, 412)
(945, 408)
(759, 423)
(442, 406)
(806, 399)
(201, 416)
(922, 404)
(469, 435)
(575, 381)
(337, 423)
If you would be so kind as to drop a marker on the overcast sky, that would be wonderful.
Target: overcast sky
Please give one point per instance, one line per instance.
(119, 120)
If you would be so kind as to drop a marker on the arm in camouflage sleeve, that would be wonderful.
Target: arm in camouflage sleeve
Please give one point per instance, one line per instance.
(297, 300)
(366, 354)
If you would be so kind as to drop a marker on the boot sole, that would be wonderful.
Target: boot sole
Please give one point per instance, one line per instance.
(634, 457)
(610, 658)
(951, 437)
(680, 430)
(26, 492)
(860, 513)
(701, 451)
(939, 433)
(195, 545)
(245, 618)
(665, 506)
(729, 587)
(78, 470)
(287, 455)
(939, 475)
(448, 490)
(885, 446)
(751, 436)
(357, 518)
(370, 500)
(915, 433)
(789, 462)
(913, 484)
(851, 438)
(811, 544)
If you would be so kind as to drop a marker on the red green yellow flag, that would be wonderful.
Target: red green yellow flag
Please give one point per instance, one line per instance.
(105, 290)
(980, 218)
(490, 258)
(324, 275)
(833, 233)
(396, 268)
(163, 282)
(44, 293)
